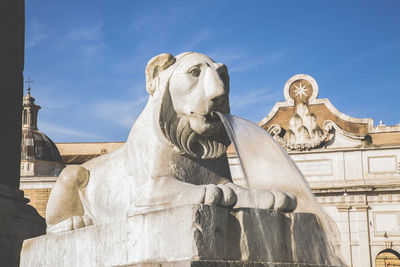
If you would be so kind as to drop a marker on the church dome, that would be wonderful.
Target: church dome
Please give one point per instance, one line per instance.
(39, 155)
(36, 145)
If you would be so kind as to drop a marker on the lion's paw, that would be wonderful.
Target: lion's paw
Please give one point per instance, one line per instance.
(73, 223)
(265, 199)
(284, 202)
(219, 195)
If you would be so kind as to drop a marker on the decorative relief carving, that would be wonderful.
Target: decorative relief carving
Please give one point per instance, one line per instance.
(300, 138)
(303, 131)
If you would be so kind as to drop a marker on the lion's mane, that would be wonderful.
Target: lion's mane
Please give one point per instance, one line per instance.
(186, 141)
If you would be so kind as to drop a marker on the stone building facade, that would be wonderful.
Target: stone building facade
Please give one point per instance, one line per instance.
(351, 166)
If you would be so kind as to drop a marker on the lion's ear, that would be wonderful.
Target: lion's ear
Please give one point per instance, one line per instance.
(156, 65)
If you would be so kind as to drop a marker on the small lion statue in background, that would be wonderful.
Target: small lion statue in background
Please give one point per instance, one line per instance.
(175, 154)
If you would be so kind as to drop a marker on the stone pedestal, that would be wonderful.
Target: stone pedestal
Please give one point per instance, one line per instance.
(18, 221)
(193, 235)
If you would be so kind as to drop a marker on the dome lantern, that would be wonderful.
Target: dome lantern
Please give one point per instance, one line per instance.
(30, 111)
(39, 154)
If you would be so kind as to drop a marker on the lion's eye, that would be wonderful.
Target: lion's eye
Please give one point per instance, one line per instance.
(195, 72)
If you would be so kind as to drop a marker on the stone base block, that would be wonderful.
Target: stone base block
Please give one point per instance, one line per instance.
(223, 263)
(18, 221)
(193, 235)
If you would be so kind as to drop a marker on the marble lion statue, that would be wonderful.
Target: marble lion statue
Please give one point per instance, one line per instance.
(175, 154)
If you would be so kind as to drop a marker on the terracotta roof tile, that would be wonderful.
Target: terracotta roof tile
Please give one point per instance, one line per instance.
(78, 158)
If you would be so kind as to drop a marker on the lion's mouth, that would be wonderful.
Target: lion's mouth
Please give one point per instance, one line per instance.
(205, 124)
(209, 117)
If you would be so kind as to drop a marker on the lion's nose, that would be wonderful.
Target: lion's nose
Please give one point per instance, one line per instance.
(215, 88)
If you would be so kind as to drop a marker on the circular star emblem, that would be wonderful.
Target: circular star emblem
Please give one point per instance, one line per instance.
(301, 90)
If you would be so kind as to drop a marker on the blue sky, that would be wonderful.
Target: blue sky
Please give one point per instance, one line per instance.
(87, 58)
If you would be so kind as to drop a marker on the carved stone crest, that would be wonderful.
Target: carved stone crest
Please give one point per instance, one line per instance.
(303, 132)
(312, 123)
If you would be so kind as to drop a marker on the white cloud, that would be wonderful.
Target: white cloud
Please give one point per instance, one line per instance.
(91, 51)
(238, 60)
(227, 55)
(253, 104)
(198, 38)
(250, 63)
(153, 30)
(123, 112)
(154, 23)
(238, 101)
(56, 132)
(87, 33)
(366, 55)
(89, 40)
(35, 33)
(48, 96)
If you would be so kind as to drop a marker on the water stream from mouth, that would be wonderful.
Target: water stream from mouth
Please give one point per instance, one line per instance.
(266, 165)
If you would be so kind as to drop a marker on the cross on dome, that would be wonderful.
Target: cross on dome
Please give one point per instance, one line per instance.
(29, 81)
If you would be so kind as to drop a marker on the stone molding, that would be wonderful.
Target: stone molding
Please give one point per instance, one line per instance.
(358, 200)
(386, 128)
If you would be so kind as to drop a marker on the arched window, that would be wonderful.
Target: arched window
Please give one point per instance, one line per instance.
(25, 117)
(388, 258)
(33, 119)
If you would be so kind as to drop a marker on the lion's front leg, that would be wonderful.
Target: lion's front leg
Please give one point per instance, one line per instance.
(169, 191)
(263, 199)
(64, 211)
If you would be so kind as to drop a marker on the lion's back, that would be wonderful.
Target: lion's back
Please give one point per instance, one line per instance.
(107, 181)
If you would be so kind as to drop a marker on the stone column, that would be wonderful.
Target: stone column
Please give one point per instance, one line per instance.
(18, 220)
(344, 228)
(363, 234)
(12, 66)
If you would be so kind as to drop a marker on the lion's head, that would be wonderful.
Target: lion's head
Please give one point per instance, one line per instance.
(192, 87)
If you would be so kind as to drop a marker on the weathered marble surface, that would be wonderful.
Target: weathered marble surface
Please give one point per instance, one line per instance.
(190, 235)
